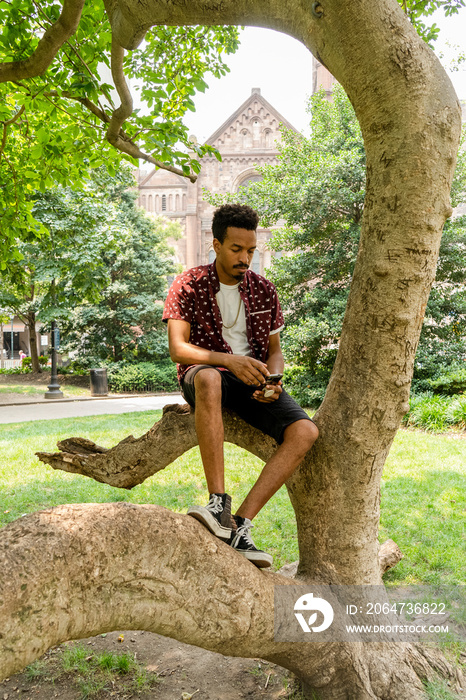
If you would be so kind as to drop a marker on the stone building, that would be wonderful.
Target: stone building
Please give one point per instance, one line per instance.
(247, 139)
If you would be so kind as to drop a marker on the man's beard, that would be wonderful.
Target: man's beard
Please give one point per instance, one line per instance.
(240, 272)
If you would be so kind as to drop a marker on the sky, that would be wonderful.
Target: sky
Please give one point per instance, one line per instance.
(282, 67)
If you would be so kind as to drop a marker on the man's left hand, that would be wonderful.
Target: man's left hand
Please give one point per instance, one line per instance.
(259, 395)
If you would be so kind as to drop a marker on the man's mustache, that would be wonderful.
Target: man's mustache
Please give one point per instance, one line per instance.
(241, 267)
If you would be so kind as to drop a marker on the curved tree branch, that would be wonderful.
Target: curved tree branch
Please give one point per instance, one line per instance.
(123, 142)
(48, 46)
(115, 134)
(80, 570)
(133, 460)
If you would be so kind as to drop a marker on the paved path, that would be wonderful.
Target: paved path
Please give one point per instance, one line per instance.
(52, 409)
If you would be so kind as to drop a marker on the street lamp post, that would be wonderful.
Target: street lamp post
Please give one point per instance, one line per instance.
(53, 389)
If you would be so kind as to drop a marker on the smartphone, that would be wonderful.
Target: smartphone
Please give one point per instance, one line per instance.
(273, 378)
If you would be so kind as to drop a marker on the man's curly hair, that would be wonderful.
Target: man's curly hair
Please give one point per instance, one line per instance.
(237, 215)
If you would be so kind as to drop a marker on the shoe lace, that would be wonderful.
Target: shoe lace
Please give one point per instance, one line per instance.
(245, 532)
(215, 504)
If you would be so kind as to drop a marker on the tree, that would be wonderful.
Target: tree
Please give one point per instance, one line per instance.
(317, 189)
(56, 272)
(126, 321)
(58, 121)
(125, 562)
(416, 10)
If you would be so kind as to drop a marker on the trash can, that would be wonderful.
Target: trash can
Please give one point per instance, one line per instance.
(99, 384)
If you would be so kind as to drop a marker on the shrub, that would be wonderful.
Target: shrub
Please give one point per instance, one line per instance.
(452, 382)
(27, 362)
(304, 386)
(144, 376)
(436, 413)
(78, 367)
(456, 412)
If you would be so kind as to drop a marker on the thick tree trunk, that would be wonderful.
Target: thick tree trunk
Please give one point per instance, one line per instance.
(31, 324)
(410, 119)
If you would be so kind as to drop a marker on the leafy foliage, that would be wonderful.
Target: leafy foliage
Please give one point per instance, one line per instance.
(436, 413)
(453, 382)
(126, 320)
(53, 127)
(57, 271)
(144, 376)
(316, 194)
(416, 9)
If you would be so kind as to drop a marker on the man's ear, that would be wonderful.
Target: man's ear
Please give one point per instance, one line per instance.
(216, 245)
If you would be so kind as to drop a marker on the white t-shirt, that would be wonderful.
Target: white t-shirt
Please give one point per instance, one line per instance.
(232, 307)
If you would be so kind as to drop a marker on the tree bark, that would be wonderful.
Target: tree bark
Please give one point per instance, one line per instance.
(410, 120)
(31, 324)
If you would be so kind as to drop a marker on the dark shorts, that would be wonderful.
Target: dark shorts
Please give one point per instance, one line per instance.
(272, 418)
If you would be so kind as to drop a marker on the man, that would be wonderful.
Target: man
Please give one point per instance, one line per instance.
(224, 324)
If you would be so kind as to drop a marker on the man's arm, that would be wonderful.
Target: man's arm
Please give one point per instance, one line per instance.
(275, 362)
(247, 369)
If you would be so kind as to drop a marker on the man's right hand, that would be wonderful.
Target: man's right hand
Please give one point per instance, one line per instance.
(249, 370)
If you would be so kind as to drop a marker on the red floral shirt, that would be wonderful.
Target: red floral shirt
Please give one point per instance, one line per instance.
(191, 298)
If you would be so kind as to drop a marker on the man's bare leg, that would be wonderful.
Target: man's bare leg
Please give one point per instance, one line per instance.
(298, 439)
(209, 427)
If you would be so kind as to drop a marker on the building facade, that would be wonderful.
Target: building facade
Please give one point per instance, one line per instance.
(247, 139)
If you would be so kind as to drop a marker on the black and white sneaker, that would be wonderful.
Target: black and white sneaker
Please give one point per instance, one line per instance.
(242, 542)
(216, 515)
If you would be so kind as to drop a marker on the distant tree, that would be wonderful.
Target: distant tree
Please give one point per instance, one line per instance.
(61, 269)
(125, 322)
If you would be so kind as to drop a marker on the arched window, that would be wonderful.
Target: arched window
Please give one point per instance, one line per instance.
(246, 140)
(268, 138)
(170, 202)
(143, 201)
(256, 130)
(247, 181)
(164, 202)
(255, 177)
(177, 202)
(184, 202)
(149, 205)
(157, 203)
(256, 262)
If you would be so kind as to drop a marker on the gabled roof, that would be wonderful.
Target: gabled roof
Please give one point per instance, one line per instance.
(254, 96)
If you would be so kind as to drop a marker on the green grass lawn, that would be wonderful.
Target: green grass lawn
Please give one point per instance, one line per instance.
(423, 490)
(40, 389)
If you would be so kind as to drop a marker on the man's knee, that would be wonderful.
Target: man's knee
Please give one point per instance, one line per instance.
(207, 382)
(303, 433)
